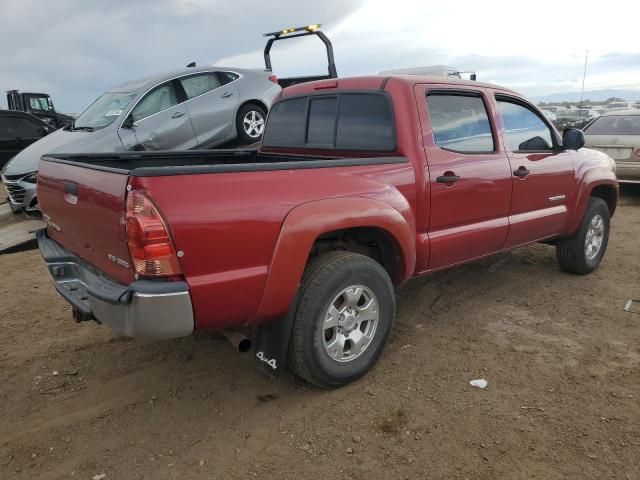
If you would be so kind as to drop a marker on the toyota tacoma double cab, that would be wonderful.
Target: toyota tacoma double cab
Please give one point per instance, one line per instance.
(359, 185)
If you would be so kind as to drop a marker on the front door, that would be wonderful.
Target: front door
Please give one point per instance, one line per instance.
(161, 121)
(469, 176)
(542, 173)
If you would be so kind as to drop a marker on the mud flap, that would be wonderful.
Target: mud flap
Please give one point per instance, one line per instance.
(272, 342)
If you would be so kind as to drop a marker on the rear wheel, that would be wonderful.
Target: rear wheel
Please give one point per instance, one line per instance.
(582, 252)
(343, 320)
(250, 123)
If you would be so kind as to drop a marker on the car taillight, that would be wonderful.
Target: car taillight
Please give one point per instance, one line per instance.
(273, 78)
(637, 154)
(150, 244)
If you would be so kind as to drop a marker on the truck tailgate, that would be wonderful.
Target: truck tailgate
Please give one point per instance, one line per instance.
(84, 211)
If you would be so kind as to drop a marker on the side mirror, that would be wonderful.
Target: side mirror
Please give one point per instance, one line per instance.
(128, 123)
(573, 139)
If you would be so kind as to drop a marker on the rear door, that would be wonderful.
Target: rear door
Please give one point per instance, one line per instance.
(212, 98)
(542, 172)
(161, 121)
(469, 176)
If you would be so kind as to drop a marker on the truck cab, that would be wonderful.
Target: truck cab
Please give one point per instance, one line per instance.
(39, 105)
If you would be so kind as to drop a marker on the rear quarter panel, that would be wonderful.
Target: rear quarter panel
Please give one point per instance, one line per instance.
(227, 225)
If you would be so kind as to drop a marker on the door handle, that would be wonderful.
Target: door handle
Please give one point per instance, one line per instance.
(448, 177)
(227, 94)
(521, 172)
(177, 115)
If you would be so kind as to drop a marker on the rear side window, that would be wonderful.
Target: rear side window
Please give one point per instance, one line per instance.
(524, 129)
(615, 125)
(195, 85)
(460, 123)
(20, 127)
(347, 121)
(227, 77)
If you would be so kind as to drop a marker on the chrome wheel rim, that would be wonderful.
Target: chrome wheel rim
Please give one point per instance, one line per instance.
(595, 236)
(253, 124)
(350, 323)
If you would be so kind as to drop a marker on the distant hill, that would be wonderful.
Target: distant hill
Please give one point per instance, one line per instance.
(593, 95)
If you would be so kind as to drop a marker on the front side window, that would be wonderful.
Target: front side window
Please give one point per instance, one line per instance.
(158, 99)
(196, 85)
(104, 110)
(615, 125)
(524, 129)
(460, 123)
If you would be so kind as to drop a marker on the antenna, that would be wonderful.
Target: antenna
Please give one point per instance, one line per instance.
(584, 74)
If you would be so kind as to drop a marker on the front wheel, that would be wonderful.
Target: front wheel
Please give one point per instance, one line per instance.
(582, 252)
(250, 123)
(343, 320)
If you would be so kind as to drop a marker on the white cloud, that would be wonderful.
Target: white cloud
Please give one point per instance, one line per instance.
(76, 49)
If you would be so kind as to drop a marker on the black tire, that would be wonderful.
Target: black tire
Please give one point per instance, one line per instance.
(245, 110)
(570, 251)
(325, 278)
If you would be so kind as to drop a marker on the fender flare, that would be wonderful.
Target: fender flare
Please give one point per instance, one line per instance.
(306, 222)
(589, 182)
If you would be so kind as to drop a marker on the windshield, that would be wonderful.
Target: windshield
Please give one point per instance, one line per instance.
(104, 110)
(615, 125)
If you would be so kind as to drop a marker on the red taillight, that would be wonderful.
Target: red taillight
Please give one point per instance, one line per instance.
(150, 245)
(273, 78)
(637, 154)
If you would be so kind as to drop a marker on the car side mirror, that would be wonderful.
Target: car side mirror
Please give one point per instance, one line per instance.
(128, 123)
(573, 139)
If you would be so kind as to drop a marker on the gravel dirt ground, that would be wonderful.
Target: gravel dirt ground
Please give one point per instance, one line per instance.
(561, 357)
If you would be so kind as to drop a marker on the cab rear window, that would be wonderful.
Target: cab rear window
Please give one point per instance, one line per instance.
(615, 125)
(345, 121)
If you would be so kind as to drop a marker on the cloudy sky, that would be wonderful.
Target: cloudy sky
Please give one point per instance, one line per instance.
(76, 49)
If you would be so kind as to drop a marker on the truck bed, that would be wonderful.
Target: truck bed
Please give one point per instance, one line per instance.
(149, 164)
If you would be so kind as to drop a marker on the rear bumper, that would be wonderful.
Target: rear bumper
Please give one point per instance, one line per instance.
(144, 308)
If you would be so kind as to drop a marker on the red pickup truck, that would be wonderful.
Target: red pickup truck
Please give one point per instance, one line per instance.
(360, 184)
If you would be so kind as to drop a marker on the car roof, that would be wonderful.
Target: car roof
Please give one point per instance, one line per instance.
(143, 84)
(21, 114)
(632, 111)
(376, 82)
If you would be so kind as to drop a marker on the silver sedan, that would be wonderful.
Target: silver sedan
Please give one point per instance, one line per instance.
(187, 109)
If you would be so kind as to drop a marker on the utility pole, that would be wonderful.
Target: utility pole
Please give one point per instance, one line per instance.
(584, 74)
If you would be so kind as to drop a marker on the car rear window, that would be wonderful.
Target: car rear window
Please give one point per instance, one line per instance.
(615, 125)
(347, 121)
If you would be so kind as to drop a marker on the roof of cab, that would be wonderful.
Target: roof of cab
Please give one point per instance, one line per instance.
(143, 84)
(377, 82)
